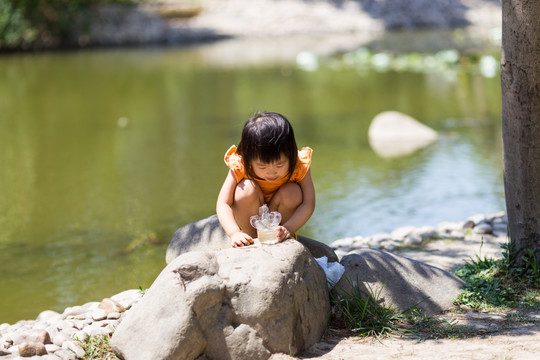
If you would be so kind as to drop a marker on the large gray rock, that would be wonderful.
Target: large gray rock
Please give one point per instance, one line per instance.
(239, 303)
(393, 134)
(402, 282)
(207, 234)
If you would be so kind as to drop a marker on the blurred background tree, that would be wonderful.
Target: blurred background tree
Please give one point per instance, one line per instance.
(34, 24)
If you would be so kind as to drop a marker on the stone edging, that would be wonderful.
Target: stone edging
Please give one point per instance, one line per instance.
(495, 225)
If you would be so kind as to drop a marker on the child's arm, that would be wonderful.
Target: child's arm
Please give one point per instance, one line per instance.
(225, 213)
(304, 211)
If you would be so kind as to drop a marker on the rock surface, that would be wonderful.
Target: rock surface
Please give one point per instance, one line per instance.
(393, 134)
(208, 235)
(398, 281)
(239, 303)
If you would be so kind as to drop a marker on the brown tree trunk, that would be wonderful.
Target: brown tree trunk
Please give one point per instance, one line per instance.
(520, 83)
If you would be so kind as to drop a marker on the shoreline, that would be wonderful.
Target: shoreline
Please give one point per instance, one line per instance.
(58, 332)
(183, 22)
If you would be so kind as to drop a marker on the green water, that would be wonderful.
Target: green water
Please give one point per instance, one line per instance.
(106, 153)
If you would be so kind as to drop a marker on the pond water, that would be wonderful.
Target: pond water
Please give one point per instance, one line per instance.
(106, 153)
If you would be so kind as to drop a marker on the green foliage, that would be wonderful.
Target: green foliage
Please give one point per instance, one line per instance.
(499, 283)
(14, 27)
(98, 348)
(26, 24)
(364, 313)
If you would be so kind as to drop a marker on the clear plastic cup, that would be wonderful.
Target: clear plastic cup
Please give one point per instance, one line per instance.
(267, 236)
(266, 224)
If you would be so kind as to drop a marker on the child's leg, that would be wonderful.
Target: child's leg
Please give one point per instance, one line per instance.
(248, 197)
(286, 200)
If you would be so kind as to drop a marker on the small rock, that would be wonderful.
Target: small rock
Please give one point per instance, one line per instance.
(113, 316)
(344, 244)
(51, 348)
(110, 305)
(483, 228)
(75, 347)
(427, 232)
(447, 227)
(127, 298)
(413, 239)
(99, 314)
(52, 330)
(389, 245)
(6, 340)
(61, 338)
(457, 234)
(374, 244)
(469, 224)
(73, 311)
(66, 354)
(28, 349)
(49, 316)
(80, 335)
(14, 350)
(32, 336)
(401, 233)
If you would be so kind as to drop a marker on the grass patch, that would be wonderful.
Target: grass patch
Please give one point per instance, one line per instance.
(491, 285)
(498, 285)
(98, 348)
(364, 314)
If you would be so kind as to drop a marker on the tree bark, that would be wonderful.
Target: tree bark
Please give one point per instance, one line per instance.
(520, 85)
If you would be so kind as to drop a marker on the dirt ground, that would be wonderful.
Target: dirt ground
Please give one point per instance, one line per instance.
(496, 336)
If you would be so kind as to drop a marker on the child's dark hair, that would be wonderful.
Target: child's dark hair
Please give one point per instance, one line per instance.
(265, 136)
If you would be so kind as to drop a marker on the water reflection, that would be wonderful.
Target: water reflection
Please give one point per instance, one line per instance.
(105, 154)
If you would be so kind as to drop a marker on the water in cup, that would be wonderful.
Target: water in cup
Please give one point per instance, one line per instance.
(266, 224)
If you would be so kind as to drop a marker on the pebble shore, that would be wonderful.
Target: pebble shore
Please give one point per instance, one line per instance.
(59, 336)
(495, 225)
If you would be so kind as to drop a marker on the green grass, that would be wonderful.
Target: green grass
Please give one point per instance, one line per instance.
(363, 313)
(498, 285)
(98, 348)
(491, 285)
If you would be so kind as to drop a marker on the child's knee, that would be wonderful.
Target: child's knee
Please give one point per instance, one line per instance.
(247, 191)
(290, 195)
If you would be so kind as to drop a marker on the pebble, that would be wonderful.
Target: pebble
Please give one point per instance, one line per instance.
(54, 336)
(479, 225)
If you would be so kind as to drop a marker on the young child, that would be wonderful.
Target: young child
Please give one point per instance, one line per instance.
(266, 168)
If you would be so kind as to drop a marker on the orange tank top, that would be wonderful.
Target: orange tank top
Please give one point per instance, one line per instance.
(235, 163)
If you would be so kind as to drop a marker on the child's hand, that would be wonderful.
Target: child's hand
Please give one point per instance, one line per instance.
(283, 233)
(241, 239)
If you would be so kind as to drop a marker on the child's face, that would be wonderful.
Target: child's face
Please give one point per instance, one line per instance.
(271, 171)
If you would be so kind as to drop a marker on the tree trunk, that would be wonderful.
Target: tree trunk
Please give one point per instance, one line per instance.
(520, 83)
